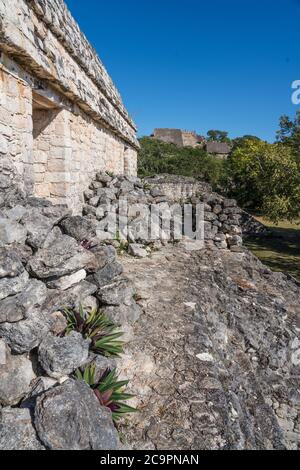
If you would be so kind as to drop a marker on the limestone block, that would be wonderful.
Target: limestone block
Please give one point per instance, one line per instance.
(56, 166)
(58, 189)
(42, 190)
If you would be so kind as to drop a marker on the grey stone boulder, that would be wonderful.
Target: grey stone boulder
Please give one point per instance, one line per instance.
(157, 192)
(16, 376)
(229, 203)
(107, 274)
(70, 417)
(18, 307)
(124, 314)
(11, 232)
(70, 298)
(16, 213)
(110, 194)
(24, 252)
(103, 255)
(210, 216)
(101, 212)
(65, 282)
(138, 251)
(94, 201)
(217, 209)
(53, 236)
(39, 222)
(60, 323)
(234, 240)
(117, 293)
(61, 356)
(17, 431)
(103, 178)
(89, 210)
(23, 336)
(90, 303)
(88, 194)
(80, 228)
(10, 263)
(95, 185)
(138, 231)
(63, 257)
(232, 211)
(38, 386)
(210, 231)
(124, 186)
(13, 285)
(11, 186)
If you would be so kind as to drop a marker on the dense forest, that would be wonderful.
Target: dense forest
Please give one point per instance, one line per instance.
(264, 177)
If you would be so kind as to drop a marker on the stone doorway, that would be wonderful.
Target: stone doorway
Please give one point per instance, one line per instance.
(49, 133)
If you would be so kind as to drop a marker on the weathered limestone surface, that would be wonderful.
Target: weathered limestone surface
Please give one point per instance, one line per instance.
(215, 357)
(61, 117)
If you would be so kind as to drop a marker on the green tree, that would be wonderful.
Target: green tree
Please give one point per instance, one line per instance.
(265, 178)
(240, 141)
(289, 132)
(156, 157)
(217, 136)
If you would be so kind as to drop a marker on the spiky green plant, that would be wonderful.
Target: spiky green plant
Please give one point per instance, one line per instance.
(109, 391)
(96, 326)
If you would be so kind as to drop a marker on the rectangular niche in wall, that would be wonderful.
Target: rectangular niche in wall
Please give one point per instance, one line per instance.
(49, 162)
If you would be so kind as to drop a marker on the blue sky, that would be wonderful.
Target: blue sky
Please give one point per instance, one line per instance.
(199, 65)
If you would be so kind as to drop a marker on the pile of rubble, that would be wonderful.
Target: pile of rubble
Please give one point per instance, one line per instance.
(221, 216)
(45, 267)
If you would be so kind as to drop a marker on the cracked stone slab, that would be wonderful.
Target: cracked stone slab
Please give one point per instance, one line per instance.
(219, 332)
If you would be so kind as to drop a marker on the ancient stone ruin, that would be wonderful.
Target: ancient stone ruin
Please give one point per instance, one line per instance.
(184, 138)
(179, 137)
(61, 117)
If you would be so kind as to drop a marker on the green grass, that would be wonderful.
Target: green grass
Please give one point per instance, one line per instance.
(281, 249)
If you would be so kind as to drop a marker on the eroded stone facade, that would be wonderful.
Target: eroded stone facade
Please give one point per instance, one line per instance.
(61, 118)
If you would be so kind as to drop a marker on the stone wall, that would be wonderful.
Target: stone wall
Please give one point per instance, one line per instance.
(179, 137)
(178, 188)
(191, 139)
(61, 118)
(170, 198)
(16, 125)
(69, 151)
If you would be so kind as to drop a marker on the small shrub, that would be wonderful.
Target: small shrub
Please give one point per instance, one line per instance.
(123, 247)
(96, 326)
(109, 391)
(123, 244)
(147, 187)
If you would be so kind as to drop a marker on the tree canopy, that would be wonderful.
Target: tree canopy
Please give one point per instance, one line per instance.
(218, 136)
(289, 132)
(263, 177)
(159, 157)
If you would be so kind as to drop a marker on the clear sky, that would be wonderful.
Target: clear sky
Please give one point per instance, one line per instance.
(199, 64)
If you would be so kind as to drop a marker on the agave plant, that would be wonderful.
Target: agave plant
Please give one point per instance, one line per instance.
(96, 326)
(109, 391)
